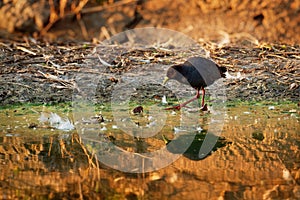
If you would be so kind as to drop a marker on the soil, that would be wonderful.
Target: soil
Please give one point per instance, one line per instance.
(256, 41)
(37, 72)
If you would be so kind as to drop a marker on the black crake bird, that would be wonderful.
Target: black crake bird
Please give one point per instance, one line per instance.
(198, 72)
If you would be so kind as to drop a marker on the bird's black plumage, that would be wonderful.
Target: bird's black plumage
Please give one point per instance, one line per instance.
(197, 72)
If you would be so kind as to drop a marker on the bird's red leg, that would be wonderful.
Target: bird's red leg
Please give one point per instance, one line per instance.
(203, 106)
(178, 107)
(203, 95)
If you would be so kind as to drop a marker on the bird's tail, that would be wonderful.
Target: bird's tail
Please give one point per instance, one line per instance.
(222, 70)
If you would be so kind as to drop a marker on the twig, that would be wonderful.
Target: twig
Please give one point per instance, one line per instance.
(26, 50)
(54, 17)
(298, 57)
(98, 167)
(289, 53)
(104, 63)
(100, 8)
(50, 146)
(56, 79)
(274, 55)
(82, 26)
(19, 84)
(105, 32)
(3, 44)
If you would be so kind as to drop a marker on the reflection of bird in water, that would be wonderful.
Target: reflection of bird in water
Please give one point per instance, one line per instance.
(190, 145)
(197, 72)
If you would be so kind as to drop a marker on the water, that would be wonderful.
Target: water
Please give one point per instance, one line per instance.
(256, 156)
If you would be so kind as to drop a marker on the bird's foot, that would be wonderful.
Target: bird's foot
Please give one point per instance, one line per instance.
(204, 108)
(177, 107)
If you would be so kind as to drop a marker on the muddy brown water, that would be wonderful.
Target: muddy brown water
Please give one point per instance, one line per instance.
(256, 157)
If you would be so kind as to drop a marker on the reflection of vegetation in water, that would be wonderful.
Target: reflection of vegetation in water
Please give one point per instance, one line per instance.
(258, 136)
(261, 134)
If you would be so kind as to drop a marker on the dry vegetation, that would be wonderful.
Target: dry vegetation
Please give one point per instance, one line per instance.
(33, 71)
(265, 20)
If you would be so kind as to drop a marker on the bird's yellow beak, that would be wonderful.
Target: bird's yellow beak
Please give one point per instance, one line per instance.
(165, 80)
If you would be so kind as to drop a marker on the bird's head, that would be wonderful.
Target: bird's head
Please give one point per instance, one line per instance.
(174, 72)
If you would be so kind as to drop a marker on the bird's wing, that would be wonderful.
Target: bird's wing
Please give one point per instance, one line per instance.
(207, 69)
